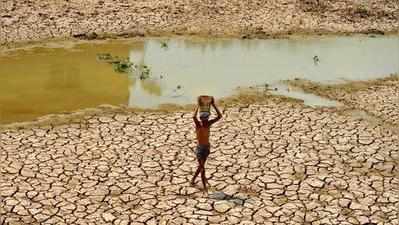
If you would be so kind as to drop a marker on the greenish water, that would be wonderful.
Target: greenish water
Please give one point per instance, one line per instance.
(57, 78)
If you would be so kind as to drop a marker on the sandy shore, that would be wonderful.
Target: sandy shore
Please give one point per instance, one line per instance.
(24, 20)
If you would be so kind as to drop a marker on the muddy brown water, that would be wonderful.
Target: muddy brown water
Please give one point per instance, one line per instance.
(60, 77)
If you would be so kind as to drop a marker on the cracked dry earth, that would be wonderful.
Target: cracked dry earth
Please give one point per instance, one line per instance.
(29, 20)
(276, 164)
(381, 101)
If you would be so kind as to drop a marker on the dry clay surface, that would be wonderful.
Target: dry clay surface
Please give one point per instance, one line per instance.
(380, 100)
(30, 20)
(272, 163)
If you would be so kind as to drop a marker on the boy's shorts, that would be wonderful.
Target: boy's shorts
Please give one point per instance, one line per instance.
(202, 152)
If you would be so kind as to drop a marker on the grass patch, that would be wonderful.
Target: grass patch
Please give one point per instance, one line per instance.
(124, 65)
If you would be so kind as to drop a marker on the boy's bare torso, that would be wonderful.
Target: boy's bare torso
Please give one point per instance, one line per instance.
(203, 133)
(202, 127)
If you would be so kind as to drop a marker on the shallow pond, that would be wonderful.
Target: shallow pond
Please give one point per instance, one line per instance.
(65, 77)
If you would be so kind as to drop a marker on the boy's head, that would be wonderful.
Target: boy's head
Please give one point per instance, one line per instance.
(204, 116)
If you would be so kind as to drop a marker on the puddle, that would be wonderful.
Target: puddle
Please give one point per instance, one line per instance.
(43, 80)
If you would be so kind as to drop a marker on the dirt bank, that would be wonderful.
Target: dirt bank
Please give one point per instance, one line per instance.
(27, 20)
(378, 97)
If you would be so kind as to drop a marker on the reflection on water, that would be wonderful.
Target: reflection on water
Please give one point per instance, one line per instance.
(48, 80)
(51, 80)
(157, 89)
(63, 77)
(188, 68)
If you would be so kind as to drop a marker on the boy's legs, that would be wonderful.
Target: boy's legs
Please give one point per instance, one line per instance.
(203, 177)
(198, 154)
(202, 155)
(200, 167)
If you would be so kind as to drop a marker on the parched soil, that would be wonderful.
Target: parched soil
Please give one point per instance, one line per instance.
(272, 163)
(28, 20)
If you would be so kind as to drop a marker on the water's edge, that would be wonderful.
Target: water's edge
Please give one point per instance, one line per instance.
(215, 66)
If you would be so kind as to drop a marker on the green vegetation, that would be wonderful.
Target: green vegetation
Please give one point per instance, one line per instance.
(123, 65)
(164, 44)
(145, 72)
(104, 57)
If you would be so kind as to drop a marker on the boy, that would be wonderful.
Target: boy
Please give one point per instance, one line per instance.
(202, 151)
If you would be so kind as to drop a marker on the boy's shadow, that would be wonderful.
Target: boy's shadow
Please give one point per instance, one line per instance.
(220, 195)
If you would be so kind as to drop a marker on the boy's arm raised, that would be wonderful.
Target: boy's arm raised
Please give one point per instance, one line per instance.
(219, 114)
(195, 116)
